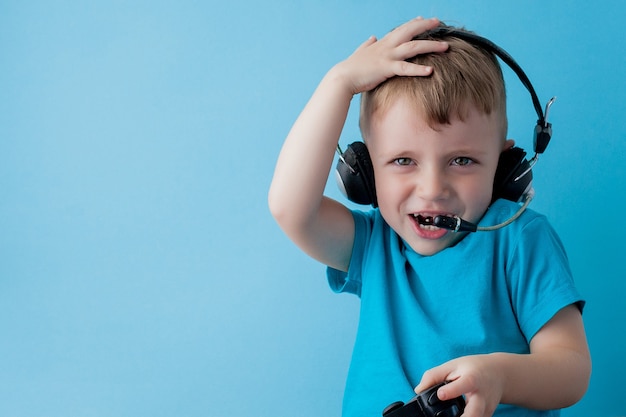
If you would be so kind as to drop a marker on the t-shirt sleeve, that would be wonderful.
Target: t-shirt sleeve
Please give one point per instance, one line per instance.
(350, 282)
(541, 281)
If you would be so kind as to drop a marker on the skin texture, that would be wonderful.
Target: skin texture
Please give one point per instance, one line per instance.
(423, 171)
(447, 169)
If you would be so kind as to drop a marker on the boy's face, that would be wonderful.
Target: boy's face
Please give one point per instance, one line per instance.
(427, 172)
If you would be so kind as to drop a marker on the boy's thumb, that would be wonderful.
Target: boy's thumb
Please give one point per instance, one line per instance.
(431, 377)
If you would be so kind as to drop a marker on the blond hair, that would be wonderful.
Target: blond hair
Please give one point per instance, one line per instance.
(464, 76)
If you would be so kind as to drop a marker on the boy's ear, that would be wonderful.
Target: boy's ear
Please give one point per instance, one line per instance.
(508, 144)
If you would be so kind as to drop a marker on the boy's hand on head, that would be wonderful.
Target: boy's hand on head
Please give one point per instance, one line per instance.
(475, 377)
(377, 60)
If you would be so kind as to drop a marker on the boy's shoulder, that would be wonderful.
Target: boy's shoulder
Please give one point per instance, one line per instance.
(502, 210)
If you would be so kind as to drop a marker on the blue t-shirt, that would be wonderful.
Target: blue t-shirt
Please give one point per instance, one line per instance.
(491, 292)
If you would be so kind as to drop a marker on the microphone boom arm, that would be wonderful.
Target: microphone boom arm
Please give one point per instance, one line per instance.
(457, 224)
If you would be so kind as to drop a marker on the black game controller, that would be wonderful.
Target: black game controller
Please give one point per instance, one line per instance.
(426, 404)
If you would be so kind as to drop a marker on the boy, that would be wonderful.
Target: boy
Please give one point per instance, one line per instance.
(495, 314)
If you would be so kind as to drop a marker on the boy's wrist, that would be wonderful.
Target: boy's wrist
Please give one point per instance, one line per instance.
(339, 78)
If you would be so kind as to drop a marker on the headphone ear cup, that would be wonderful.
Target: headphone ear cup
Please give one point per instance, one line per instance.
(355, 175)
(513, 176)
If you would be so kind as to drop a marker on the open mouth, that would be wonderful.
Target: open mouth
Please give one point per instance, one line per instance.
(425, 225)
(425, 221)
(429, 223)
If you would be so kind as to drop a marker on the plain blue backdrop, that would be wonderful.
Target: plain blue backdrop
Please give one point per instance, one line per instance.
(140, 271)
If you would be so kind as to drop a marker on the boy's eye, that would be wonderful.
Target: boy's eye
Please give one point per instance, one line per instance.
(462, 161)
(402, 161)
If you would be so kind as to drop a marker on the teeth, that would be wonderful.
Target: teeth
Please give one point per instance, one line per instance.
(425, 222)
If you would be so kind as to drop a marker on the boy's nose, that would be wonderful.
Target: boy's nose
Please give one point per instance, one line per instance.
(431, 185)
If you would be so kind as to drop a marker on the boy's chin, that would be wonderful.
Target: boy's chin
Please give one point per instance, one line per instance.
(427, 251)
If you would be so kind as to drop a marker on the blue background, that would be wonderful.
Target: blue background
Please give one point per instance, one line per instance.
(140, 271)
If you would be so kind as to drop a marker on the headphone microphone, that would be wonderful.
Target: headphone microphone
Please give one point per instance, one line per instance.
(513, 177)
(457, 224)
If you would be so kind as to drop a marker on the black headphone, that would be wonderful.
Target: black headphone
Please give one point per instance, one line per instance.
(513, 178)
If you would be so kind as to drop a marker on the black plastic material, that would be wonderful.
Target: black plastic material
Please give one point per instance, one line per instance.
(426, 404)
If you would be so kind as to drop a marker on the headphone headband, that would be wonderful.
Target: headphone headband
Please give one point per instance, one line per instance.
(543, 129)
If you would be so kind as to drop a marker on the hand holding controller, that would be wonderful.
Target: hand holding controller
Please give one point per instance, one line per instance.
(426, 404)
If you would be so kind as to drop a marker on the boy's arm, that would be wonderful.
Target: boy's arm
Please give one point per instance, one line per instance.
(554, 375)
(320, 226)
(324, 228)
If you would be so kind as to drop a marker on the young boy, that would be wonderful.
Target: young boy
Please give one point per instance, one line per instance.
(493, 313)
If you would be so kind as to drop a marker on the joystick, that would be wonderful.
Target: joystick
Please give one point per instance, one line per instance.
(426, 404)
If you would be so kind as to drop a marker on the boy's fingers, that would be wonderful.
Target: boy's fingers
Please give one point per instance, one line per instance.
(407, 69)
(413, 27)
(474, 409)
(414, 48)
(452, 390)
(431, 377)
(368, 42)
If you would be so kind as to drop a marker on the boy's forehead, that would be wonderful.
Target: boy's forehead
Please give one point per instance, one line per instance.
(403, 118)
(417, 109)
(380, 112)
